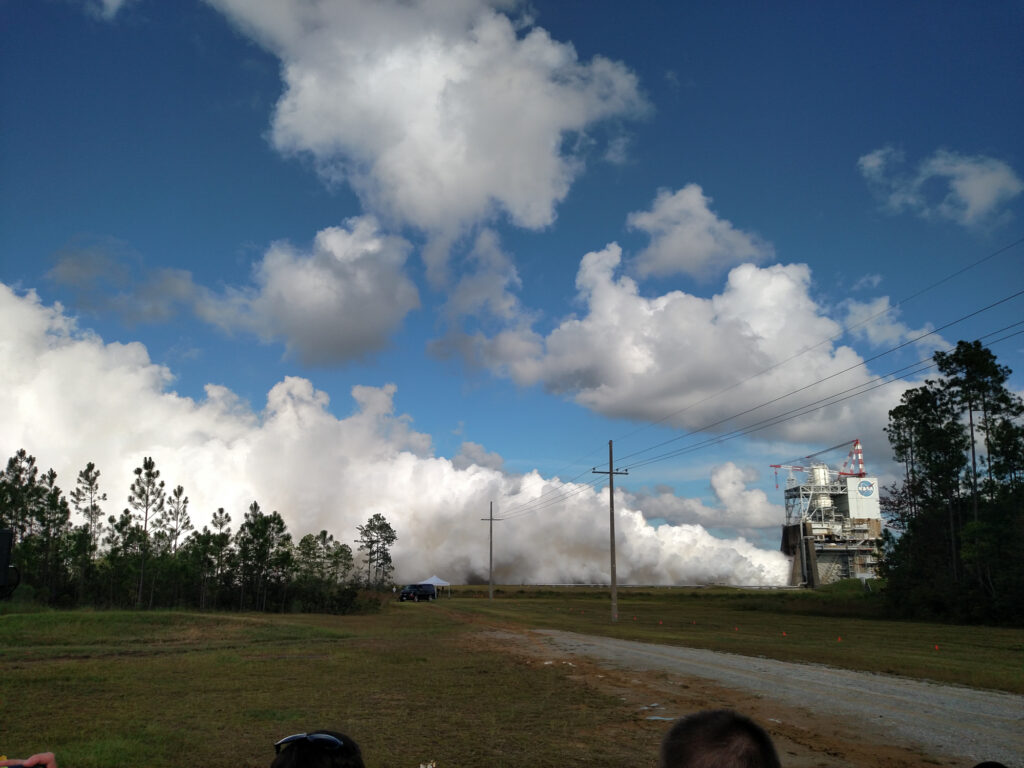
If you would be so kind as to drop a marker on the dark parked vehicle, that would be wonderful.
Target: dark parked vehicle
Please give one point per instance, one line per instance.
(418, 592)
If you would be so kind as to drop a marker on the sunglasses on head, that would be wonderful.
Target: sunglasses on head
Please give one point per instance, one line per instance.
(324, 740)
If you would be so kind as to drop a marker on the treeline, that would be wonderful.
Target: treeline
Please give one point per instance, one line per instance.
(956, 548)
(150, 555)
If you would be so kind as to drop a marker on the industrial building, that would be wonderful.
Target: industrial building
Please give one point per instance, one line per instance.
(833, 525)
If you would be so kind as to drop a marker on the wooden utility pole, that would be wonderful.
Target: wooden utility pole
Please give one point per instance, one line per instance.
(612, 472)
(490, 562)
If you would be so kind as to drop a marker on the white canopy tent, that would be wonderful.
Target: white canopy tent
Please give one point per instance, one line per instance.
(438, 583)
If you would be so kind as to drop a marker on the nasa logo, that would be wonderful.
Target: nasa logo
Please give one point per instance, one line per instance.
(865, 487)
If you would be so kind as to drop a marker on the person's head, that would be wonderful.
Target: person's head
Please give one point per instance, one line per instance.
(717, 738)
(317, 749)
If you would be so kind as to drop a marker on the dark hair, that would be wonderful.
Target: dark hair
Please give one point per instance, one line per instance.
(317, 753)
(718, 738)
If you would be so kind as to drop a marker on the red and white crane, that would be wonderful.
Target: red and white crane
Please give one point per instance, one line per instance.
(853, 465)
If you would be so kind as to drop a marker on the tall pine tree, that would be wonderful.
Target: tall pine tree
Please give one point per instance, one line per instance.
(958, 513)
(146, 498)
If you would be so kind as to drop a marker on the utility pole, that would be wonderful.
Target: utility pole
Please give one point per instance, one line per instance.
(490, 563)
(612, 472)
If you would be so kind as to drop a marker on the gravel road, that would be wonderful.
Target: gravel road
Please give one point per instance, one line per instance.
(943, 719)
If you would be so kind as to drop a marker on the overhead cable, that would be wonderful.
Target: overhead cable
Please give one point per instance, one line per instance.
(835, 337)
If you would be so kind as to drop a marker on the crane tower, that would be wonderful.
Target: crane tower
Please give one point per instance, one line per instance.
(833, 525)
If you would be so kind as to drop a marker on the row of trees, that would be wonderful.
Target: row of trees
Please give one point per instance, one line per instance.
(151, 555)
(957, 515)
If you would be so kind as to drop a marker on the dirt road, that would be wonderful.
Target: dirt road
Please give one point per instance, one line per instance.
(818, 715)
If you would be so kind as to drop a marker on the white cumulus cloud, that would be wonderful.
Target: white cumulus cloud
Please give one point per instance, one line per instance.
(471, 454)
(878, 322)
(487, 283)
(971, 190)
(105, 9)
(687, 237)
(697, 363)
(68, 398)
(439, 114)
(341, 300)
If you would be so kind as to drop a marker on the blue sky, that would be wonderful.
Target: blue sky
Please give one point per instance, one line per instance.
(518, 231)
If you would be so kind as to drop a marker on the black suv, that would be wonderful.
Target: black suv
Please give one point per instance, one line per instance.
(417, 592)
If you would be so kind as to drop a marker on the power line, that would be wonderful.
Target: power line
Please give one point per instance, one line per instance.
(514, 511)
(862, 363)
(565, 491)
(530, 507)
(835, 337)
(794, 413)
(816, 405)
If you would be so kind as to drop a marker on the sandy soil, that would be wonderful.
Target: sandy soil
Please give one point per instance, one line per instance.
(817, 715)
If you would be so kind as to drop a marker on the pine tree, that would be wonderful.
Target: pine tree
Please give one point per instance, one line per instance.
(20, 494)
(85, 498)
(147, 497)
(220, 549)
(264, 555)
(958, 553)
(376, 538)
(52, 526)
(175, 520)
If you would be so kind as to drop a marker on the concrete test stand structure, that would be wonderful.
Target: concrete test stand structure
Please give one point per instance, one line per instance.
(833, 525)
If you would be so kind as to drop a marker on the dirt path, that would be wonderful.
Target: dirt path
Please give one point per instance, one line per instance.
(818, 715)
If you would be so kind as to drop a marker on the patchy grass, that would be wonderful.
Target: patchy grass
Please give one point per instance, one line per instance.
(417, 682)
(76, 634)
(412, 684)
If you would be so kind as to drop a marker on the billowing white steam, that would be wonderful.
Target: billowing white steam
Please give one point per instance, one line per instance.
(69, 398)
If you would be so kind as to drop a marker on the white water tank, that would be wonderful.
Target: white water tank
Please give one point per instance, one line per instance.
(819, 474)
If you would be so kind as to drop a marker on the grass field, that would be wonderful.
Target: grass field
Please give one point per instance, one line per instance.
(415, 682)
(163, 689)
